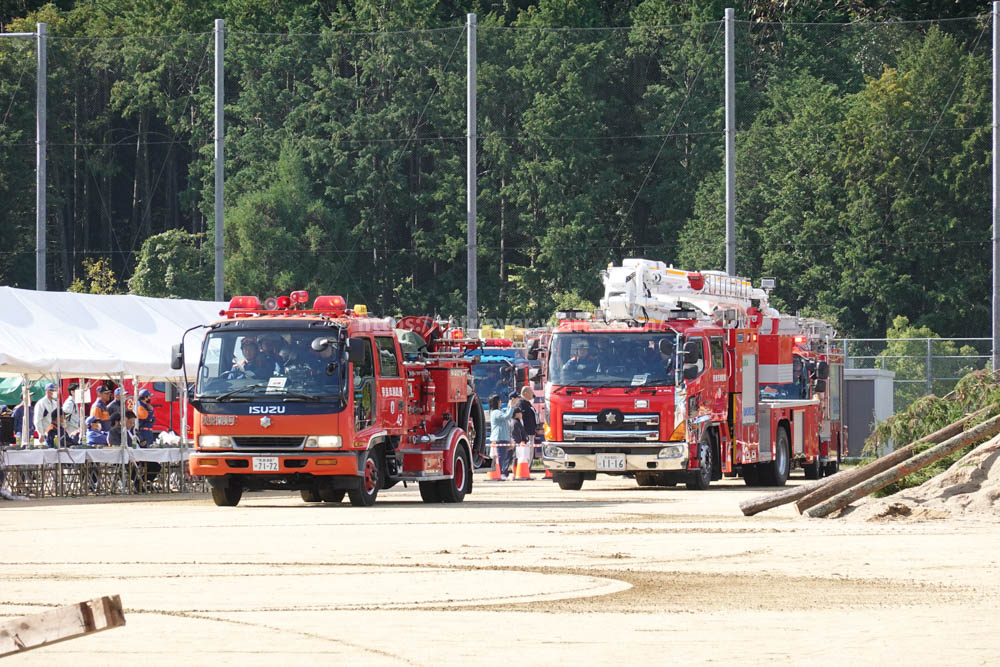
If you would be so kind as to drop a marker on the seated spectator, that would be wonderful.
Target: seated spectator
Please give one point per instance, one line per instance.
(95, 436)
(117, 435)
(18, 416)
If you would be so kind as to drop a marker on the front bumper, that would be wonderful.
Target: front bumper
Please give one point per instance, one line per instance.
(323, 464)
(639, 457)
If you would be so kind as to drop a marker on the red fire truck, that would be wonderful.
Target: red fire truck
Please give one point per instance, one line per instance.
(329, 401)
(689, 377)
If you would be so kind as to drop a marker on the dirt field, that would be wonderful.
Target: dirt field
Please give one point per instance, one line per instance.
(521, 573)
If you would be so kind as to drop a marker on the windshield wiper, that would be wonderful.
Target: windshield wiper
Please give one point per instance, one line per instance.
(230, 394)
(294, 396)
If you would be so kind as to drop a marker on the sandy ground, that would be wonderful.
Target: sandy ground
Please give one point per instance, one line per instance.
(521, 573)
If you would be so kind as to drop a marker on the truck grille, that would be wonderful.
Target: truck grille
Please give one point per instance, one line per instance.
(611, 424)
(268, 442)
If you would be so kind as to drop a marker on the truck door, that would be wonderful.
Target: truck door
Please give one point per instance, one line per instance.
(364, 388)
(391, 384)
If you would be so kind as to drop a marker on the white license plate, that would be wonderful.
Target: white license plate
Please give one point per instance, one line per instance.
(265, 464)
(610, 462)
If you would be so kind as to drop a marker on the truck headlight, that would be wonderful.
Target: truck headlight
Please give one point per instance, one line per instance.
(553, 452)
(324, 442)
(215, 442)
(671, 452)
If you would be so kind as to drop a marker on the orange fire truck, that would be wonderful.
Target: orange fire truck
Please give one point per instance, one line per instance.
(329, 401)
(688, 377)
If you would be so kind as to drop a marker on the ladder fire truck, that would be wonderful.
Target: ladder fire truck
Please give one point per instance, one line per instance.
(329, 401)
(688, 377)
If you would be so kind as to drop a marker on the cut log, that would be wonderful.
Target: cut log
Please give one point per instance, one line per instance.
(832, 487)
(988, 428)
(57, 625)
(761, 503)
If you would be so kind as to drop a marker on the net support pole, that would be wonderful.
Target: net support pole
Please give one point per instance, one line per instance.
(220, 165)
(41, 92)
(730, 147)
(472, 303)
(996, 188)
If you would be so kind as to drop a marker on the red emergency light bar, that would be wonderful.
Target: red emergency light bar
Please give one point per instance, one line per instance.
(696, 281)
(244, 303)
(498, 342)
(299, 296)
(334, 304)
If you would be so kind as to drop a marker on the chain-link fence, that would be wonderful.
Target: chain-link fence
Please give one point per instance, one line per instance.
(862, 162)
(921, 365)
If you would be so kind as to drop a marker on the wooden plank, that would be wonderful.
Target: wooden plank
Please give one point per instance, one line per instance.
(58, 625)
(988, 428)
(761, 503)
(832, 487)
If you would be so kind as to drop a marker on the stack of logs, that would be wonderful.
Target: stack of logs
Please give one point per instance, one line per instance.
(823, 497)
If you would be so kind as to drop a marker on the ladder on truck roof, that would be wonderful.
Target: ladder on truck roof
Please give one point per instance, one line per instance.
(642, 289)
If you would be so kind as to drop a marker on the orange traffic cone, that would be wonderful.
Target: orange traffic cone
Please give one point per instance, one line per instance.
(548, 474)
(494, 474)
(523, 468)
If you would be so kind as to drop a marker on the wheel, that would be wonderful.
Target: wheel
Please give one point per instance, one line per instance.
(429, 492)
(310, 495)
(702, 478)
(775, 473)
(814, 470)
(228, 496)
(370, 483)
(475, 428)
(569, 481)
(751, 474)
(453, 490)
(831, 468)
(329, 495)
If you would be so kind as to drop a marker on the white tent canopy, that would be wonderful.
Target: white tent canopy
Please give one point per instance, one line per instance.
(44, 334)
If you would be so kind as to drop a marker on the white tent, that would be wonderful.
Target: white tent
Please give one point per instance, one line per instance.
(44, 334)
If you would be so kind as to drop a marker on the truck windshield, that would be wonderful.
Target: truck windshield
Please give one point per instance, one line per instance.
(494, 378)
(243, 365)
(607, 359)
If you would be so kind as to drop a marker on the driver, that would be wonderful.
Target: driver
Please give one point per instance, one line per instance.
(254, 364)
(582, 361)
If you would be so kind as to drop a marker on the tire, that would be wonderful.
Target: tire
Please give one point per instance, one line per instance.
(701, 479)
(831, 468)
(453, 490)
(371, 481)
(331, 495)
(814, 470)
(569, 481)
(311, 495)
(474, 422)
(775, 473)
(228, 496)
(429, 492)
(751, 474)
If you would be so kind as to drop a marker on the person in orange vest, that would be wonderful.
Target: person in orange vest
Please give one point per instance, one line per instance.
(100, 409)
(144, 411)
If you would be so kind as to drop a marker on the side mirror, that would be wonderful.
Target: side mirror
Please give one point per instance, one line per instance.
(532, 352)
(177, 357)
(692, 352)
(170, 392)
(319, 344)
(690, 372)
(355, 350)
(822, 370)
(819, 386)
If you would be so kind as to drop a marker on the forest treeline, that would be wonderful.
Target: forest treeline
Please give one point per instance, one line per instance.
(863, 151)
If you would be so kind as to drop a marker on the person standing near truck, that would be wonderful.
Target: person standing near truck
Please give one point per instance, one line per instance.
(500, 432)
